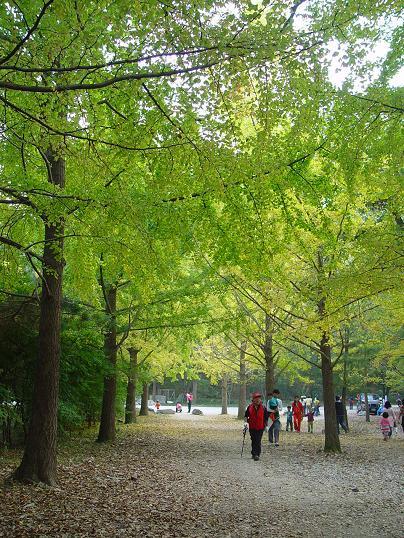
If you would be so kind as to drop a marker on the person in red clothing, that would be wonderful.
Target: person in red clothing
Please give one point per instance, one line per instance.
(256, 416)
(298, 413)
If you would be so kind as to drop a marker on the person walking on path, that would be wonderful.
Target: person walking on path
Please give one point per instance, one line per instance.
(391, 415)
(256, 416)
(310, 421)
(274, 408)
(189, 400)
(297, 412)
(400, 416)
(316, 406)
(289, 423)
(385, 427)
(339, 409)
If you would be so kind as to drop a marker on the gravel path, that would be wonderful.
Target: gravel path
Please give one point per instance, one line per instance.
(182, 476)
(294, 490)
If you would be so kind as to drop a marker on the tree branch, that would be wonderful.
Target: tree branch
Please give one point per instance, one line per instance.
(21, 248)
(28, 34)
(105, 83)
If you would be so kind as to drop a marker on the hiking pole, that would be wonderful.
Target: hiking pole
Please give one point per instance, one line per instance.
(244, 432)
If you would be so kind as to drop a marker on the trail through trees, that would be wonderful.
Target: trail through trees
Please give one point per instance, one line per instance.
(183, 476)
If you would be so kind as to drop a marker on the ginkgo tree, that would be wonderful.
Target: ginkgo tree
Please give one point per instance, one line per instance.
(112, 110)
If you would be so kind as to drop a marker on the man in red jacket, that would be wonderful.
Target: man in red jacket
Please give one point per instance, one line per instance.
(257, 418)
(298, 412)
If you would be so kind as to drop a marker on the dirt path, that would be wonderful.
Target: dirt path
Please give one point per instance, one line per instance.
(174, 476)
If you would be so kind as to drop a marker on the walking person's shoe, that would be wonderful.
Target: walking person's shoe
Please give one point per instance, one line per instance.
(256, 458)
(276, 444)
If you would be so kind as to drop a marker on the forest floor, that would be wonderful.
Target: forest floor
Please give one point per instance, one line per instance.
(182, 476)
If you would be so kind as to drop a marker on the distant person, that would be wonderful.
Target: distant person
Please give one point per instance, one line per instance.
(400, 418)
(303, 401)
(390, 413)
(274, 408)
(316, 407)
(385, 427)
(178, 407)
(189, 398)
(310, 421)
(157, 405)
(298, 413)
(351, 402)
(339, 409)
(289, 419)
(256, 416)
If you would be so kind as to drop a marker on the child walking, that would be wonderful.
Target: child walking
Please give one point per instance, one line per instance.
(385, 426)
(310, 421)
(289, 419)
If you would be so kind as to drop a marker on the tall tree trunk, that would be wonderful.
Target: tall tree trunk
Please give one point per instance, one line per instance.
(242, 399)
(331, 443)
(130, 409)
(107, 422)
(268, 357)
(39, 460)
(194, 390)
(345, 376)
(225, 381)
(154, 391)
(367, 404)
(144, 407)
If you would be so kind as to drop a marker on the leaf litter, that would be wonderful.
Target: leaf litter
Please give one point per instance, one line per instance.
(170, 476)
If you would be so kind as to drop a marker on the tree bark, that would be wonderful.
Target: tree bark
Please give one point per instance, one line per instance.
(194, 390)
(144, 408)
(268, 357)
(331, 443)
(107, 422)
(224, 394)
(130, 409)
(39, 460)
(367, 405)
(345, 377)
(154, 391)
(242, 400)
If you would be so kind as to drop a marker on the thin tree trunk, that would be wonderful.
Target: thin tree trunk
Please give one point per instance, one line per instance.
(224, 394)
(144, 407)
(39, 460)
(367, 405)
(268, 357)
(242, 400)
(194, 390)
(154, 391)
(331, 443)
(345, 377)
(107, 422)
(130, 409)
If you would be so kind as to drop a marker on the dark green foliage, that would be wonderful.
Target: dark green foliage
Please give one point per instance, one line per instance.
(18, 350)
(81, 373)
(82, 368)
